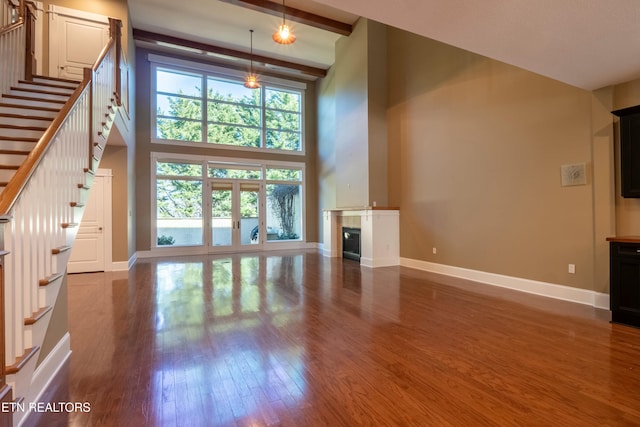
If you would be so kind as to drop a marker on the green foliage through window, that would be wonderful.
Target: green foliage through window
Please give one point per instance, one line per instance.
(229, 113)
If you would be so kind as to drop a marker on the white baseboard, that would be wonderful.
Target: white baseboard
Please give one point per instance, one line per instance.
(46, 371)
(201, 250)
(551, 290)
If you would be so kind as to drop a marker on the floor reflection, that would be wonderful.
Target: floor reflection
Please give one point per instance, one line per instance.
(296, 339)
(212, 320)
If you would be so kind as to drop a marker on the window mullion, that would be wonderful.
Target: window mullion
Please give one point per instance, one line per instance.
(205, 106)
(263, 118)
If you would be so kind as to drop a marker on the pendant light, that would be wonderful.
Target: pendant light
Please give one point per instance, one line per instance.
(284, 34)
(251, 81)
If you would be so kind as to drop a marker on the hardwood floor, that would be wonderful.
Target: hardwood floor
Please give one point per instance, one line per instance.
(295, 339)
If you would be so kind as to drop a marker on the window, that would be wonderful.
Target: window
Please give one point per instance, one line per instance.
(207, 108)
(284, 203)
(179, 218)
(264, 199)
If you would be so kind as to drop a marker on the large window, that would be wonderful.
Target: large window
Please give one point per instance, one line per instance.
(206, 108)
(195, 198)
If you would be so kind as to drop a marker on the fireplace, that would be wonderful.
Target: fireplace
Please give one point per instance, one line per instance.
(351, 243)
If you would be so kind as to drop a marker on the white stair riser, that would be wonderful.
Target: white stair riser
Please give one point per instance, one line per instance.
(33, 103)
(18, 110)
(25, 121)
(21, 133)
(56, 82)
(17, 145)
(12, 159)
(6, 175)
(18, 92)
(63, 91)
(48, 294)
(34, 334)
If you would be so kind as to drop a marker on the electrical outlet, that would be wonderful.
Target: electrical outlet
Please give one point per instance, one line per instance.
(435, 250)
(572, 269)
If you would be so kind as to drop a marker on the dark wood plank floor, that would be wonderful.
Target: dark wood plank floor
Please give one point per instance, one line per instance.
(302, 340)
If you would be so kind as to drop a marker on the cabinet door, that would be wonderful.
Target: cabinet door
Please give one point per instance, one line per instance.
(630, 155)
(625, 284)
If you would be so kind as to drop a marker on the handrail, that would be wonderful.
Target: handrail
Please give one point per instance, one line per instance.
(15, 186)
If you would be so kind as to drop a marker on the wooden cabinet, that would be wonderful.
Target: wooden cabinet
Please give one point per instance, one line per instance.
(629, 150)
(625, 282)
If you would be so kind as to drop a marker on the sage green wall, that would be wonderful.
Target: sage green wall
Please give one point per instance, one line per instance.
(144, 148)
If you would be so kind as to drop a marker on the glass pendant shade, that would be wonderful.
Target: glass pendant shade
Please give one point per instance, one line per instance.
(251, 81)
(284, 35)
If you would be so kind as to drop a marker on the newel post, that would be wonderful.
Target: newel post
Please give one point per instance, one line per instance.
(88, 77)
(30, 40)
(115, 30)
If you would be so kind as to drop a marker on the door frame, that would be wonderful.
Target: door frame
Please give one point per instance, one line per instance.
(107, 199)
(236, 243)
(55, 12)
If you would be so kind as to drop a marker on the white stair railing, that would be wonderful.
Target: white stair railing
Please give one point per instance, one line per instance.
(12, 45)
(37, 226)
(43, 204)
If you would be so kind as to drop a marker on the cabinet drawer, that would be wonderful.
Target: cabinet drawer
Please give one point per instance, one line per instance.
(626, 249)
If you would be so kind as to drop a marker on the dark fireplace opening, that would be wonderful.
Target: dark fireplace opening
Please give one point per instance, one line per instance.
(351, 243)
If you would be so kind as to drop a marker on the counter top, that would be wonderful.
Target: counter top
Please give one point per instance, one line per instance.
(624, 239)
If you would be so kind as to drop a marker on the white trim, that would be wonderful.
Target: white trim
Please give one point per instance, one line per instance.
(120, 266)
(222, 71)
(174, 251)
(132, 260)
(55, 32)
(47, 370)
(74, 13)
(205, 71)
(107, 204)
(551, 290)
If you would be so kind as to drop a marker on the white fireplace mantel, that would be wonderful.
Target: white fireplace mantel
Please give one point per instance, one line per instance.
(379, 234)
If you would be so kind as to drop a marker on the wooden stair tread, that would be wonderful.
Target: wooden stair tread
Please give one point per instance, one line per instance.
(9, 167)
(83, 187)
(29, 107)
(21, 361)
(25, 116)
(18, 138)
(49, 280)
(61, 249)
(17, 152)
(29, 98)
(37, 315)
(4, 253)
(76, 205)
(69, 224)
(55, 79)
(18, 127)
(43, 84)
(38, 91)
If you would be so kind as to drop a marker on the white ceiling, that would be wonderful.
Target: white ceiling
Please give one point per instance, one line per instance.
(585, 43)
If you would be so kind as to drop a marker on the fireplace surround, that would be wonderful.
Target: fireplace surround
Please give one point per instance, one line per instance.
(379, 234)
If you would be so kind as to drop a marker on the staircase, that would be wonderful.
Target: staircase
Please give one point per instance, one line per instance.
(52, 135)
(25, 114)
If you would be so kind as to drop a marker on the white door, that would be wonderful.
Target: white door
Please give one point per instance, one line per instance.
(76, 39)
(87, 254)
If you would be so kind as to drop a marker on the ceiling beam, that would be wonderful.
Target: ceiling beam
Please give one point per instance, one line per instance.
(297, 15)
(156, 38)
